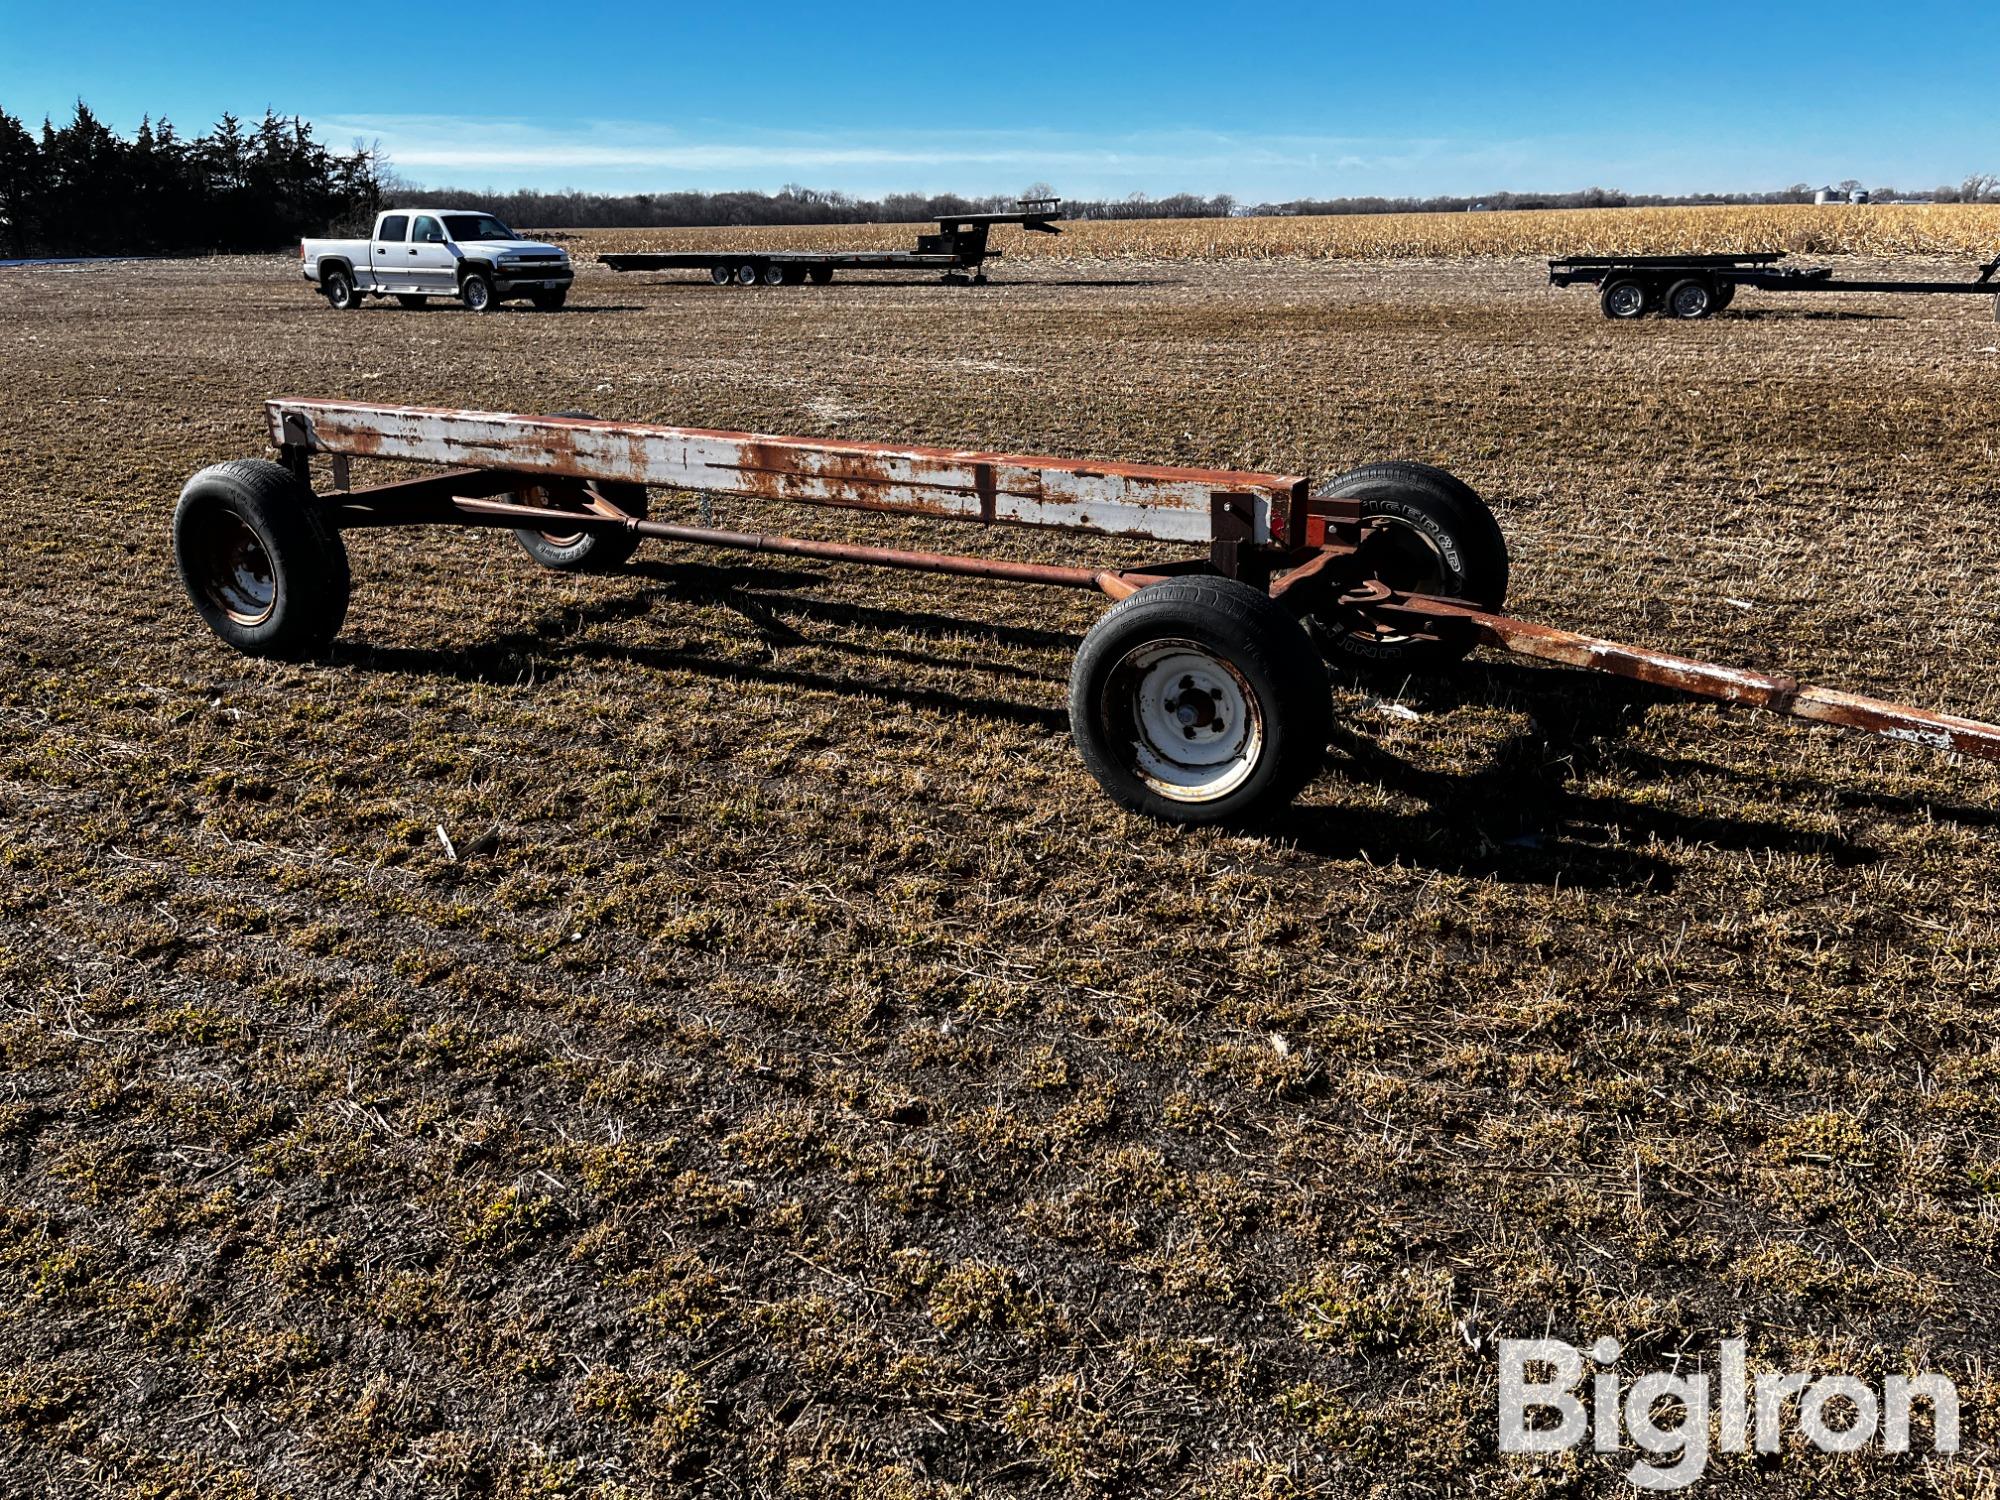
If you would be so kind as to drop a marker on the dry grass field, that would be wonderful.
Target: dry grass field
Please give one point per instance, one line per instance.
(803, 1083)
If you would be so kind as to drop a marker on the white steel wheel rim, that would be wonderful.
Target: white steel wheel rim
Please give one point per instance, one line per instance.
(1627, 300)
(1692, 302)
(1195, 727)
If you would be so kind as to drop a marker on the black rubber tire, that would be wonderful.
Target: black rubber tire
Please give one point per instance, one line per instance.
(721, 275)
(551, 301)
(262, 564)
(1625, 299)
(476, 291)
(748, 274)
(795, 275)
(412, 299)
(1444, 540)
(590, 552)
(1689, 298)
(1269, 656)
(1724, 295)
(820, 275)
(337, 285)
(775, 274)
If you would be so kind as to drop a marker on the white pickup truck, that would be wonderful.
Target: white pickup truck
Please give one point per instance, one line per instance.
(420, 253)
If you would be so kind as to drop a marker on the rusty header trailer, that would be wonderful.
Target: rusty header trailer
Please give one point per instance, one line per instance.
(1199, 697)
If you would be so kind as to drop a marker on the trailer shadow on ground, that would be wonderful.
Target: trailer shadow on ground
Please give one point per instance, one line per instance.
(993, 284)
(1803, 315)
(1519, 817)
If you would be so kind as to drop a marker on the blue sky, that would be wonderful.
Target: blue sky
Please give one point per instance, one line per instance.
(1265, 101)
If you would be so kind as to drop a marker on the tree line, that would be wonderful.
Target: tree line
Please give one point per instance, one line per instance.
(1975, 189)
(791, 204)
(83, 189)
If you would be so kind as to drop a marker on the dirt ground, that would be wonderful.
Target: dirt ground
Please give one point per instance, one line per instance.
(803, 1082)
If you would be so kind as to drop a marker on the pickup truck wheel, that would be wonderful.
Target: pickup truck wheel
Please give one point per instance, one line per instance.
(582, 551)
(340, 290)
(476, 292)
(412, 299)
(551, 301)
(264, 567)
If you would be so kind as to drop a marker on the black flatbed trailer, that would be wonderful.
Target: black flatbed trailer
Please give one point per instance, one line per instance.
(958, 253)
(1700, 286)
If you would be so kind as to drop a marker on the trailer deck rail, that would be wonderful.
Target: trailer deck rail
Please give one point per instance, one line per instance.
(1199, 697)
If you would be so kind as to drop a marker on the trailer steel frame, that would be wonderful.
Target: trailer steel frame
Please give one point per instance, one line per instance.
(958, 252)
(1699, 286)
(1248, 536)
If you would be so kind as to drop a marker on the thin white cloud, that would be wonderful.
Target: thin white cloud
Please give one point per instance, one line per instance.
(630, 156)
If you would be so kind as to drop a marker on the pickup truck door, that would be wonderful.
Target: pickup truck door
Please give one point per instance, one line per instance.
(389, 255)
(434, 258)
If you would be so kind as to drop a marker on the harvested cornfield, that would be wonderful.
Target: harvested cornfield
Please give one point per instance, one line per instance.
(700, 1031)
(1873, 229)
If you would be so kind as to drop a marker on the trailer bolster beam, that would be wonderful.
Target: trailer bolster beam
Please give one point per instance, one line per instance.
(1111, 499)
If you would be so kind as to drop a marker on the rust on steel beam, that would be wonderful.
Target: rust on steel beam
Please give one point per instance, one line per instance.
(508, 513)
(1113, 499)
(1767, 690)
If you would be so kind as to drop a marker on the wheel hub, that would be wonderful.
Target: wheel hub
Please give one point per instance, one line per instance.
(240, 579)
(1196, 729)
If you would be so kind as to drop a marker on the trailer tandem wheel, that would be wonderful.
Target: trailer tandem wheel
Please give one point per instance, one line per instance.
(1625, 299)
(1429, 532)
(821, 275)
(1199, 700)
(747, 273)
(721, 275)
(263, 567)
(1691, 297)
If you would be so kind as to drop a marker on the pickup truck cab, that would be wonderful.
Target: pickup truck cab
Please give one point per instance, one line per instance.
(419, 253)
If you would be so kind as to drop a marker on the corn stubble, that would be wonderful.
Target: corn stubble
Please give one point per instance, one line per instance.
(802, 1083)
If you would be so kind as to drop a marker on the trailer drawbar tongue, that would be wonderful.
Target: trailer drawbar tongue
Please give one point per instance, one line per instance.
(958, 253)
(1700, 286)
(1200, 696)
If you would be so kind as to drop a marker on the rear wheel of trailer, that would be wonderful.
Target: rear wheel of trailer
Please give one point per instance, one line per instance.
(1691, 297)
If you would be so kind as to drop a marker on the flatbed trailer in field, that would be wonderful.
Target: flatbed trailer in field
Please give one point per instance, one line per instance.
(958, 253)
(1700, 286)
(1200, 696)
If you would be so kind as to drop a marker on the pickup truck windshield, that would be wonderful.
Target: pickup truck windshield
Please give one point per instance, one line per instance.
(473, 227)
